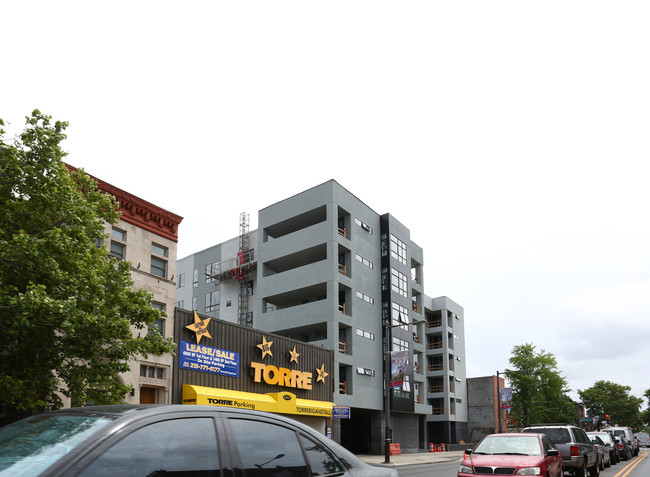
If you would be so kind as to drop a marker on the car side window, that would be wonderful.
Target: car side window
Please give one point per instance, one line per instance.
(268, 450)
(547, 444)
(172, 447)
(582, 437)
(320, 460)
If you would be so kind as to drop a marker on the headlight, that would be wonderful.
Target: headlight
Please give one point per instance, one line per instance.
(529, 471)
(465, 469)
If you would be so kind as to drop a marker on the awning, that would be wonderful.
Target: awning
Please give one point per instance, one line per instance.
(282, 402)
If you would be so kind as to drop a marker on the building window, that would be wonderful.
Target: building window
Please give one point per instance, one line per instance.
(159, 324)
(366, 298)
(397, 249)
(365, 371)
(212, 301)
(365, 261)
(400, 316)
(400, 344)
(158, 263)
(399, 283)
(363, 225)
(180, 281)
(180, 304)
(195, 303)
(195, 279)
(212, 269)
(151, 371)
(118, 244)
(366, 334)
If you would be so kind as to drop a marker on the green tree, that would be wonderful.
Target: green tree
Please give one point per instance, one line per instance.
(539, 391)
(67, 309)
(607, 398)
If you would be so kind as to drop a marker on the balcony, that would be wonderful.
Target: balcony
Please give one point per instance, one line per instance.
(434, 345)
(343, 387)
(343, 347)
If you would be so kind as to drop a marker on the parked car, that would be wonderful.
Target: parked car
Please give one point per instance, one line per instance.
(604, 459)
(577, 451)
(626, 433)
(608, 439)
(624, 448)
(643, 438)
(201, 441)
(512, 454)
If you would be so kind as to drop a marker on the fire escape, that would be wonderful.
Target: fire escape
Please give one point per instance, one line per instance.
(240, 268)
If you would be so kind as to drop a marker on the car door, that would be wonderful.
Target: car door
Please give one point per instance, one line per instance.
(554, 462)
(264, 448)
(162, 446)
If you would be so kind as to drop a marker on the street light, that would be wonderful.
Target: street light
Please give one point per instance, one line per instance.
(387, 376)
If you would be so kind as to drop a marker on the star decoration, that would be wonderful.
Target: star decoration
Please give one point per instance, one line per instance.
(294, 355)
(265, 347)
(321, 373)
(200, 327)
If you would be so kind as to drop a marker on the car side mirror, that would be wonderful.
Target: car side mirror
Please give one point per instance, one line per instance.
(468, 451)
(552, 452)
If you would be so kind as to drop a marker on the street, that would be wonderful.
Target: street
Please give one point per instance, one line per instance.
(637, 467)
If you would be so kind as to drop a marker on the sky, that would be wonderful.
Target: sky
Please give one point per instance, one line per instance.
(510, 137)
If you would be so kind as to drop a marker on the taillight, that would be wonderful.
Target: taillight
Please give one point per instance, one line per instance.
(620, 446)
(575, 451)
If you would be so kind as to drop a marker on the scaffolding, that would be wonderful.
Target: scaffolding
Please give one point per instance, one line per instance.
(239, 269)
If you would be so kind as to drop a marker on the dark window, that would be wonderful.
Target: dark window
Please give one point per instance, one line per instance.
(158, 267)
(320, 460)
(266, 449)
(117, 250)
(169, 446)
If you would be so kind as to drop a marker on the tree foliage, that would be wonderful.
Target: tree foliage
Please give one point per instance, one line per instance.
(539, 391)
(67, 309)
(607, 398)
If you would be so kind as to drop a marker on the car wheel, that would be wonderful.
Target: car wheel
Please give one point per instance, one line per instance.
(602, 463)
(581, 472)
(595, 470)
(609, 461)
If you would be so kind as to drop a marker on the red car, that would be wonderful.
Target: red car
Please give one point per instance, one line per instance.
(512, 454)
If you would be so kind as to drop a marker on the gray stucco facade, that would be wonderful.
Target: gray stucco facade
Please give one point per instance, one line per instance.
(329, 272)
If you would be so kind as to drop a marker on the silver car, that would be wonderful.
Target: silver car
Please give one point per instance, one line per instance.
(172, 440)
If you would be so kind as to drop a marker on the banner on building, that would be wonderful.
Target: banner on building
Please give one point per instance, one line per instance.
(398, 362)
(506, 398)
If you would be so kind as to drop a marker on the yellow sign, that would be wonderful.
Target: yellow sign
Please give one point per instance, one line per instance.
(283, 402)
(275, 376)
(200, 327)
(321, 373)
(265, 346)
(294, 355)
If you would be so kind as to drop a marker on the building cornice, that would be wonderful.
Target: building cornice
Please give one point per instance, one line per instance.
(139, 212)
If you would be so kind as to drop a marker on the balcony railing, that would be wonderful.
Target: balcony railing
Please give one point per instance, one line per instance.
(343, 387)
(437, 410)
(343, 269)
(343, 232)
(434, 345)
(436, 388)
(342, 308)
(434, 323)
(343, 347)
(435, 367)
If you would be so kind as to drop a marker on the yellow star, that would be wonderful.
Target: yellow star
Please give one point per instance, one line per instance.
(265, 347)
(321, 373)
(294, 355)
(200, 327)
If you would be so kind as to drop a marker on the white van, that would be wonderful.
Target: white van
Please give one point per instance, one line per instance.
(644, 438)
(627, 434)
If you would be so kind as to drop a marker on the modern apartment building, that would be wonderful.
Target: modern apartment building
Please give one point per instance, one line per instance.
(325, 269)
(147, 236)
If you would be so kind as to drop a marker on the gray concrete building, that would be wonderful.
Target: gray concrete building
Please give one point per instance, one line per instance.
(326, 269)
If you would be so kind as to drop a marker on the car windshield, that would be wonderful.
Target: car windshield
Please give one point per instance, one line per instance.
(557, 435)
(522, 445)
(606, 438)
(30, 446)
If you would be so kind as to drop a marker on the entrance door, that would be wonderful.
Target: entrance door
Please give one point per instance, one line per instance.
(147, 396)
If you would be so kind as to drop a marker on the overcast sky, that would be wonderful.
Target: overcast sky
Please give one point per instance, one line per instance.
(510, 137)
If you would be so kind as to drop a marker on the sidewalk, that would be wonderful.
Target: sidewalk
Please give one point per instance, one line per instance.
(416, 458)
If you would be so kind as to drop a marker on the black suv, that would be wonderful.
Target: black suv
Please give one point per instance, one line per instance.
(577, 451)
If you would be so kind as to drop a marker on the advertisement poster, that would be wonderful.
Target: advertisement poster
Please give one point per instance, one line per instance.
(398, 362)
(208, 359)
(506, 398)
